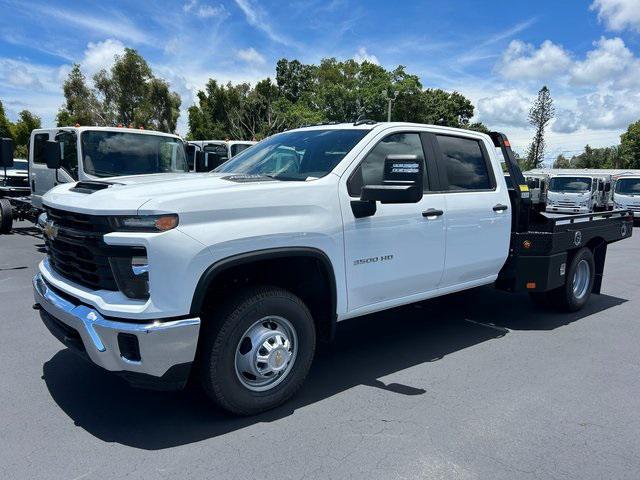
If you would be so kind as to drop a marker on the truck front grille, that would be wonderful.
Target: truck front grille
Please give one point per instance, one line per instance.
(76, 249)
(18, 182)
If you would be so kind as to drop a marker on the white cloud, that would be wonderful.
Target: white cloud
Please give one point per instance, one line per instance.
(609, 111)
(523, 61)
(208, 11)
(256, 17)
(251, 55)
(188, 6)
(363, 56)
(605, 63)
(566, 121)
(618, 14)
(116, 25)
(100, 55)
(505, 108)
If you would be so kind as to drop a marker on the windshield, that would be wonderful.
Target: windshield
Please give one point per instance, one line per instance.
(570, 184)
(20, 164)
(113, 154)
(628, 186)
(296, 155)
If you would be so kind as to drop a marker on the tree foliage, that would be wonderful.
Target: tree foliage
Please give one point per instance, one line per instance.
(630, 146)
(333, 91)
(20, 131)
(541, 113)
(128, 93)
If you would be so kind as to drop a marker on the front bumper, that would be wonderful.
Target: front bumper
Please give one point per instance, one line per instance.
(563, 209)
(165, 349)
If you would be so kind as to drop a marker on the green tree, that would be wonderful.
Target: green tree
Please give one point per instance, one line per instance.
(562, 162)
(333, 91)
(540, 115)
(130, 94)
(630, 146)
(81, 106)
(27, 122)
(5, 124)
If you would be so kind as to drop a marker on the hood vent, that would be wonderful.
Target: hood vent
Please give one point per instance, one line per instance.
(90, 187)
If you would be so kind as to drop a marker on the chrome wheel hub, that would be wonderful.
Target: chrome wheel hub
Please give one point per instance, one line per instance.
(581, 279)
(266, 353)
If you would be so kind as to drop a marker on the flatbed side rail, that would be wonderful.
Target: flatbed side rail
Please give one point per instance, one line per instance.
(587, 217)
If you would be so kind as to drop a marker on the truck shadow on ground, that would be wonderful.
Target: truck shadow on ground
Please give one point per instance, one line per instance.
(365, 350)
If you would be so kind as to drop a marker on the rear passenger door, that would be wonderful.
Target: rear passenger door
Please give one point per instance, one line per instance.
(477, 210)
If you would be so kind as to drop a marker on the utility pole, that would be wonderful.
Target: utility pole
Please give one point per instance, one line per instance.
(390, 101)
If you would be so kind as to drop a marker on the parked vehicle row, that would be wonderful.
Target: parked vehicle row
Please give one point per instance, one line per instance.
(88, 154)
(231, 278)
(576, 190)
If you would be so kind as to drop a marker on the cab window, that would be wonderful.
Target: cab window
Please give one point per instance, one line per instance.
(69, 152)
(465, 163)
(371, 170)
(39, 141)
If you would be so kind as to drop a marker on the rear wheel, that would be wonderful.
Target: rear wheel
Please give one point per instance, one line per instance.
(575, 293)
(257, 352)
(6, 216)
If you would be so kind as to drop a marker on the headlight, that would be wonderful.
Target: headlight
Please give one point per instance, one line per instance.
(146, 223)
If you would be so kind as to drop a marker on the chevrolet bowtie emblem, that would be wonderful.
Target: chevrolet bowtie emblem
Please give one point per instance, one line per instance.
(50, 230)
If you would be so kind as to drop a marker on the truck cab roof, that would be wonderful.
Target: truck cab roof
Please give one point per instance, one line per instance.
(108, 129)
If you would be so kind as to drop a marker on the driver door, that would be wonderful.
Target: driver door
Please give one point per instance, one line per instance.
(400, 250)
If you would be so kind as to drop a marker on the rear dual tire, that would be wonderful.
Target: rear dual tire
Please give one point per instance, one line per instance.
(6, 216)
(576, 291)
(255, 354)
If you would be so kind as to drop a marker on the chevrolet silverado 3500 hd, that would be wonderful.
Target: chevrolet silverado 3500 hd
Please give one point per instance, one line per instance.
(231, 277)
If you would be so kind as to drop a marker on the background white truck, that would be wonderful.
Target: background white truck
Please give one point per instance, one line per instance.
(578, 192)
(626, 193)
(230, 278)
(205, 155)
(89, 154)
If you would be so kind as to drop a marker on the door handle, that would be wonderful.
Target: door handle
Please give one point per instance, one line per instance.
(432, 212)
(500, 208)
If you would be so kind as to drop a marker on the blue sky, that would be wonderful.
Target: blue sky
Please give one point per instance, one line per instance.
(497, 53)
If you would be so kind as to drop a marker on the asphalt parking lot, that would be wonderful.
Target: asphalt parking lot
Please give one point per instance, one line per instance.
(474, 385)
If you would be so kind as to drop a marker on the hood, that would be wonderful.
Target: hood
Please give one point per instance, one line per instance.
(126, 195)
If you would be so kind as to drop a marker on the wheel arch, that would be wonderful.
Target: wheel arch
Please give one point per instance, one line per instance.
(272, 256)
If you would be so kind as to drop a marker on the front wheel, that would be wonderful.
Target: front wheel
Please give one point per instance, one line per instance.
(6, 216)
(256, 353)
(575, 293)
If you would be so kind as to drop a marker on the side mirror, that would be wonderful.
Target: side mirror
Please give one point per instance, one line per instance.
(199, 159)
(52, 154)
(6, 153)
(190, 152)
(402, 181)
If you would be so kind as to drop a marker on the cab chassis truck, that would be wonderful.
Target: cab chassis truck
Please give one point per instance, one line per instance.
(229, 278)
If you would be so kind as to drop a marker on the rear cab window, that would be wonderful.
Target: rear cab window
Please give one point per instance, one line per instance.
(466, 163)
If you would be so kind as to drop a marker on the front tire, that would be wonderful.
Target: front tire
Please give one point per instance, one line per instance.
(6, 216)
(256, 352)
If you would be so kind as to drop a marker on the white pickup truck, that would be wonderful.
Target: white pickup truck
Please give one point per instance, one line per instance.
(231, 277)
